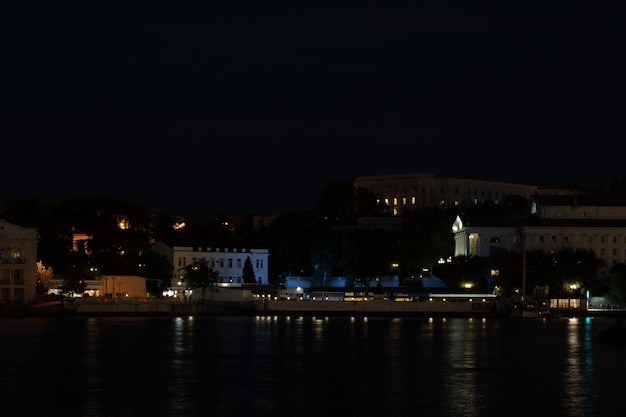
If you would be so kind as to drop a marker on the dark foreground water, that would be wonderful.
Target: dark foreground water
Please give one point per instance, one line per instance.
(307, 366)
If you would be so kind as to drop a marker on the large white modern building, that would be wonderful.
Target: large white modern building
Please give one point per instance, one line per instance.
(18, 253)
(554, 222)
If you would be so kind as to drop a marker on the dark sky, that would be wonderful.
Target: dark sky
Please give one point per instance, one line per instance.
(249, 108)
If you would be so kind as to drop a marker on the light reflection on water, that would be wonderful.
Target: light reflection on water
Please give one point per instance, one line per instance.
(306, 366)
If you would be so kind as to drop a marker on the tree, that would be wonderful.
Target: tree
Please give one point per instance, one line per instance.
(366, 203)
(248, 272)
(156, 287)
(336, 204)
(200, 275)
(575, 266)
(324, 256)
(366, 254)
(289, 240)
(617, 291)
(425, 238)
(43, 277)
(73, 283)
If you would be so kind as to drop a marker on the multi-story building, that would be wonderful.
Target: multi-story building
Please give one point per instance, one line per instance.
(18, 260)
(402, 192)
(554, 222)
(228, 261)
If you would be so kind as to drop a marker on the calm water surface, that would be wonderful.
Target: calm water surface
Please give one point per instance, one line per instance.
(308, 366)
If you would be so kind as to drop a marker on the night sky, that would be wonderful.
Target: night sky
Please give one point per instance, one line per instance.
(249, 108)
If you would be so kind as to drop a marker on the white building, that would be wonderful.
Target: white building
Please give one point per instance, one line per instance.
(18, 260)
(555, 222)
(228, 261)
(401, 192)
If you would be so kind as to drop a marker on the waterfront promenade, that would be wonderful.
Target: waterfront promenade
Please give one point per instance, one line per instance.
(267, 306)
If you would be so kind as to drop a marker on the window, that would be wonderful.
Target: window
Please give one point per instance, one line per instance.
(230, 263)
(541, 238)
(221, 262)
(553, 238)
(239, 263)
(18, 277)
(614, 239)
(590, 239)
(259, 263)
(602, 239)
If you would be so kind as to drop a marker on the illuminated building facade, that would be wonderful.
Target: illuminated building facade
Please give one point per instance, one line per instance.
(228, 261)
(403, 192)
(554, 222)
(18, 259)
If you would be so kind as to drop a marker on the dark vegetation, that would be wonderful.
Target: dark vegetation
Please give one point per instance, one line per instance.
(323, 242)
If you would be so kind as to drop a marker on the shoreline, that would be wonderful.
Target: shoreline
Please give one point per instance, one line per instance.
(293, 308)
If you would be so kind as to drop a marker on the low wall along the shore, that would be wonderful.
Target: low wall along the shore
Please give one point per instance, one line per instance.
(378, 306)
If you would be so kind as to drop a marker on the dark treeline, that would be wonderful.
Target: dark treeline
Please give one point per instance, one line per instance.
(321, 242)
